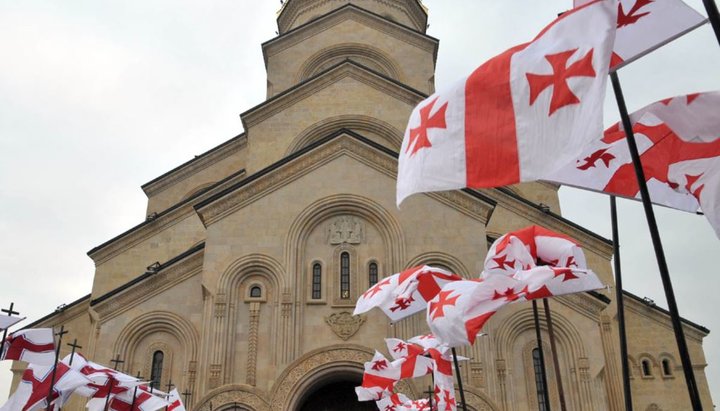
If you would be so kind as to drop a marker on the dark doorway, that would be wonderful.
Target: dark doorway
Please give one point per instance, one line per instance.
(336, 396)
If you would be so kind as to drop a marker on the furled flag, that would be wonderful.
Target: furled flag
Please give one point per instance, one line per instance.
(444, 390)
(530, 246)
(34, 387)
(144, 401)
(679, 144)
(403, 294)
(36, 346)
(7, 321)
(462, 308)
(646, 25)
(176, 403)
(519, 116)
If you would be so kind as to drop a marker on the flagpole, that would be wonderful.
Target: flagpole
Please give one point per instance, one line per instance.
(117, 361)
(459, 378)
(714, 16)
(132, 406)
(657, 244)
(553, 349)
(546, 397)
(620, 305)
(9, 312)
(48, 399)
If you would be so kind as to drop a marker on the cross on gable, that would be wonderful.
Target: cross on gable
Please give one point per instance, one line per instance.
(561, 94)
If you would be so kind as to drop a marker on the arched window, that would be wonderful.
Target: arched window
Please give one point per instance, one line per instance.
(316, 281)
(646, 370)
(255, 291)
(156, 370)
(539, 381)
(667, 370)
(345, 275)
(372, 274)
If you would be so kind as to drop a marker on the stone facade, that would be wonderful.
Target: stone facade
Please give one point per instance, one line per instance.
(220, 276)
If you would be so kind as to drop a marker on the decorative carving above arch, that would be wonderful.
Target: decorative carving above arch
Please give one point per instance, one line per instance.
(443, 259)
(244, 396)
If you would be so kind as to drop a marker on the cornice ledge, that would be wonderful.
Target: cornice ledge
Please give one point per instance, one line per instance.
(302, 33)
(151, 287)
(195, 165)
(538, 217)
(281, 102)
(662, 319)
(165, 220)
(584, 304)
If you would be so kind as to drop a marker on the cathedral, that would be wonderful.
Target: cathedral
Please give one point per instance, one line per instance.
(238, 287)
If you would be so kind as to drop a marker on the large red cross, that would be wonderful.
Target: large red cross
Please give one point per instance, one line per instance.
(444, 299)
(561, 95)
(19, 344)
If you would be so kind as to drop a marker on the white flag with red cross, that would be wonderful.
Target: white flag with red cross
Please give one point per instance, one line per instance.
(34, 387)
(176, 403)
(36, 346)
(646, 25)
(403, 294)
(7, 321)
(679, 144)
(519, 116)
(144, 400)
(532, 246)
(379, 378)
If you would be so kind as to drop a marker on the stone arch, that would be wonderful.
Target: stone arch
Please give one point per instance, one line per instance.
(319, 366)
(386, 131)
(445, 259)
(666, 357)
(126, 344)
(243, 395)
(363, 54)
(652, 362)
(478, 400)
(230, 299)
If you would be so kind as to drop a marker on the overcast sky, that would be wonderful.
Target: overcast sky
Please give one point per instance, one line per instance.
(98, 98)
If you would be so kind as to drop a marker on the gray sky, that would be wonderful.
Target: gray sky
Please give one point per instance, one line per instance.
(98, 98)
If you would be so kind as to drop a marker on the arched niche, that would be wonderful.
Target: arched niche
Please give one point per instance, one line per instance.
(363, 54)
(374, 129)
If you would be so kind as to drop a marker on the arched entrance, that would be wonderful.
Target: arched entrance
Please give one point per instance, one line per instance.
(335, 393)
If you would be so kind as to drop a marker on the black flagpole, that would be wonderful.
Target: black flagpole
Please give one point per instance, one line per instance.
(9, 312)
(713, 16)
(132, 406)
(170, 385)
(553, 349)
(74, 345)
(459, 378)
(657, 244)
(117, 361)
(54, 370)
(430, 394)
(546, 397)
(186, 394)
(620, 305)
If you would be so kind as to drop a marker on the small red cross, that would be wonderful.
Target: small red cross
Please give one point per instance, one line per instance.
(561, 95)
(418, 135)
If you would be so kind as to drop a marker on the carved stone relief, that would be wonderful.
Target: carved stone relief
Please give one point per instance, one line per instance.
(344, 324)
(346, 229)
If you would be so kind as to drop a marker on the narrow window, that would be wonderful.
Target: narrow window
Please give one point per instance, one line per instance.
(539, 381)
(372, 274)
(156, 370)
(345, 276)
(646, 368)
(255, 291)
(317, 281)
(666, 367)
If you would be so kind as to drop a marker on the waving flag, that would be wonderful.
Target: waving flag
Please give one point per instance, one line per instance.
(8, 321)
(379, 379)
(144, 401)
(34, 387)
(519, 116)
(679, 144)
(530, 246)
(36, 346)
(176, 403)
(403, 294)
(645, 25)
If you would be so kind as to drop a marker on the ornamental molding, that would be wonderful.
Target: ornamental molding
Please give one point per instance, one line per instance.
(242, 395)
(166, 220)
(344, 324)
(150, 287)
(195, 165)
(293, 11)
(342, 145)
(347, 69)
(346, 229)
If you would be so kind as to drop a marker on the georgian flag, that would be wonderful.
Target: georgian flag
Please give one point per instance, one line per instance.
(144, 401)
(530, 246)
(34, 387)
(36, 346)
(679, 144)
(8, 321)
(403, 294)
(519, 116)
(646, 25)
(379, 379)
(176, 403)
